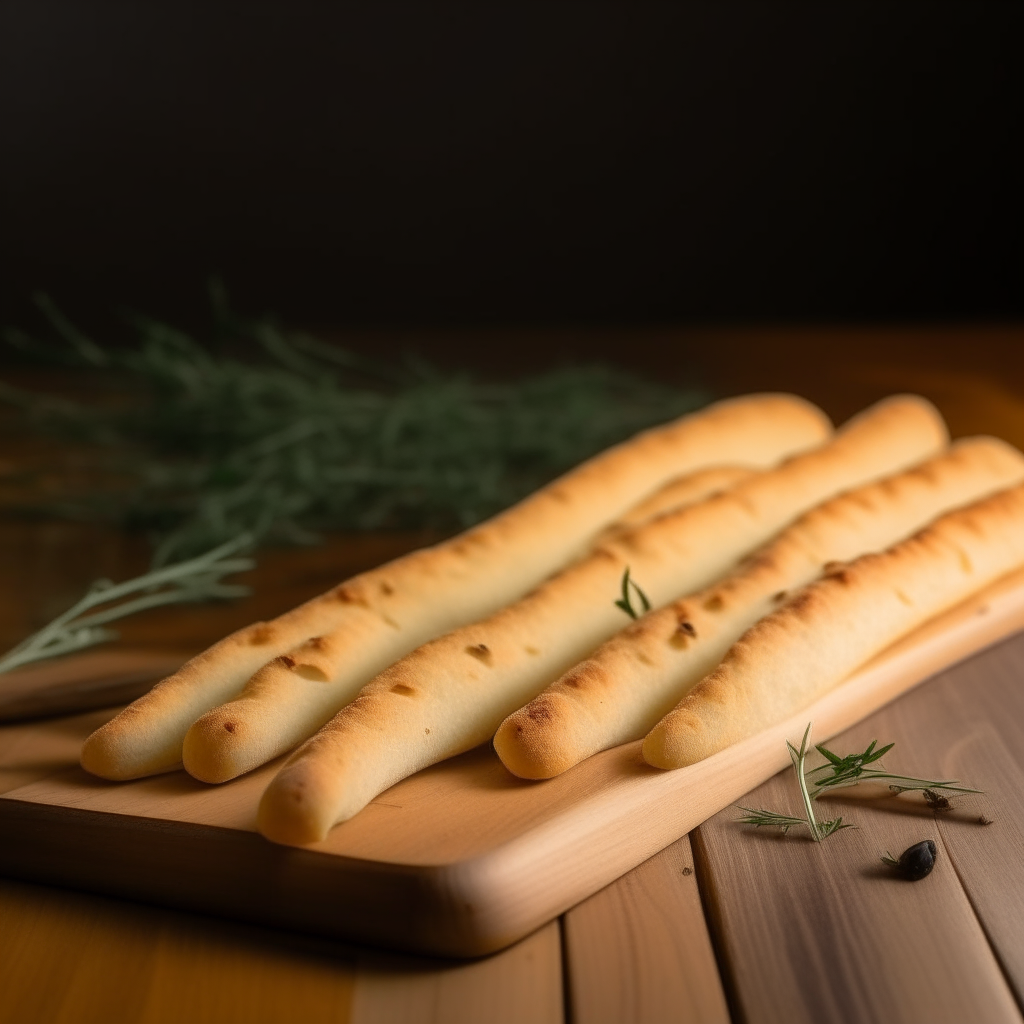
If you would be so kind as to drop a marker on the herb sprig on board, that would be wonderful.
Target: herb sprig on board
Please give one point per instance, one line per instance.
(295, 435)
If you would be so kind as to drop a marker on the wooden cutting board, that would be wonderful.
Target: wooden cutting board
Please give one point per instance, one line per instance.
(461, 859)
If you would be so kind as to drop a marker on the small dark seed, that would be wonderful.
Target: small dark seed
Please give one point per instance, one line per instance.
(918, 860)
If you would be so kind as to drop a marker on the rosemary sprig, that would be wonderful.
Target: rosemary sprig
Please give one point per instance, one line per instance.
(282, 435)
(772, 819)
(853, 769)
(846, 771)
(198, 579)
(626, 603)
(799, 759)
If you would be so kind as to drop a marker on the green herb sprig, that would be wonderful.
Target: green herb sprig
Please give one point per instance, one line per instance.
(819, 830)
(626, 602)
(282, 435)
(853, 769)
(845, 771)
(198, 579)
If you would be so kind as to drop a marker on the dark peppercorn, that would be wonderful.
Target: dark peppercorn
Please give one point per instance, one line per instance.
(916, 861)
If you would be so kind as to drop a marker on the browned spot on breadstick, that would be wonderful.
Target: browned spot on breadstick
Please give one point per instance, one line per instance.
(481, 652)
(317, 675)
(348, 595)
(538, 711)
(260, 633)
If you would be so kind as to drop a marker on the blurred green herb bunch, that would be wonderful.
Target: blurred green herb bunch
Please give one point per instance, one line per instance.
(289, 435)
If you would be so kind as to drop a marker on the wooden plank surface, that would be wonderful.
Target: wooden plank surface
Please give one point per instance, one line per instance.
(93, 679)
(460, 860)
(70, 957)
(639, 952)
(523, 983)
(974, 722)
(826, 932)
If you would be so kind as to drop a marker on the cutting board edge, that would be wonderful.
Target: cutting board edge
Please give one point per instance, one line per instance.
(423, 909)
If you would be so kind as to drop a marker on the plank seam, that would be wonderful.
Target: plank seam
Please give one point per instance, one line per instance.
(713, 921)
(993, 949)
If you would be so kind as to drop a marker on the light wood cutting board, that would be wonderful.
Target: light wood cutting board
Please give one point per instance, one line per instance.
(461, 859)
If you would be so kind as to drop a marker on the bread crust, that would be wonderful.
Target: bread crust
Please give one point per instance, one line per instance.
(380, 615)
(621, 691)
(452, 693)
(684, 490)
(828, 629)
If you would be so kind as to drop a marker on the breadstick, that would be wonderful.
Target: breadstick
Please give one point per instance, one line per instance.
(684, 490)
(621, 691)
(452, 693)
(378, 616)
(830, 628)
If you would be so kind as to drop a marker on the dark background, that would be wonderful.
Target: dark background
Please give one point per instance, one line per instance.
(430, 166)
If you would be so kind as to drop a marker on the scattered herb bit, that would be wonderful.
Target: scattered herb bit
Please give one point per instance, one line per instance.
(853, 769)
(936, 801)
(915, 862)
(198, 579)
(625, 602)
(799, 758)
(280, 434)
(772, 819)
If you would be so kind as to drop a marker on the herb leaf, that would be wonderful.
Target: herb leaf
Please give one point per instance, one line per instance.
(761, 818)
(282, 435)
(625, 602)
(852, 769)
(819, 830)
(198, 579)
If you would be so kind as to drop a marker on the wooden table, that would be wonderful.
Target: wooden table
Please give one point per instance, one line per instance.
(725, 923)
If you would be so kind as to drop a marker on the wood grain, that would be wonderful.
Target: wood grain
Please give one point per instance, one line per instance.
(40, 750)
(969, 727)
(70, 958)
(81, 682)
(523, 983)
(460, 860)
(639, 950)
(826, 932)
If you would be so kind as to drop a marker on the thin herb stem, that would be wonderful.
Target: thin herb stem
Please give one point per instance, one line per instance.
(197, 579)
(798, 758)
(288, 436)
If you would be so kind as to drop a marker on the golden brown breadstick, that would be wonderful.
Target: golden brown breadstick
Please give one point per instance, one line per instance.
(684, 490)
(826, 631)
(621, 691)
